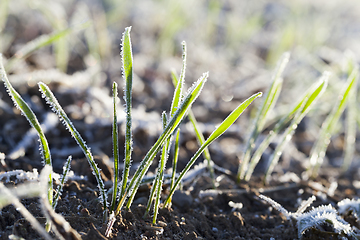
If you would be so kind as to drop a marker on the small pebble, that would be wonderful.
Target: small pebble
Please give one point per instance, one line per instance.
(162, 224)
(182, 199)
(140, 201)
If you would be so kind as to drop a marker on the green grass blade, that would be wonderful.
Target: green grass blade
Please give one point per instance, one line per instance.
(52, 101)
(300, 110)
(3, 14)
(201, 139)
(198, 133)
(154, 188)
(115, 136)
(58, 21)
(160, 173)
(319, 149)
(40, 42)
(151, 197)
(350, 133)
(175, 158)
(30, 116)
(268, 103)
(127, 60)
(214, 135)
(174, 122)
(66, 170)
(179, 83)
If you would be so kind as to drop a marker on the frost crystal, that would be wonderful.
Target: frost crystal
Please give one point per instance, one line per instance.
(318, 217)
(350, 205)
(323, 215)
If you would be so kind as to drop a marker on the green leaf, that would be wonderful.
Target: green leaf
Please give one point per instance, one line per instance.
(319, 149)
(174, 122)
(52, 101)
(350, 133)
(115, 136)
(40, 42)
(294, 116)
(127, 60)
(268, 104)
(66, 170)
(214, 135)
(30, 116)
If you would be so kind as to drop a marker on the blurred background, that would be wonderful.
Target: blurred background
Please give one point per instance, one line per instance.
(238, 42)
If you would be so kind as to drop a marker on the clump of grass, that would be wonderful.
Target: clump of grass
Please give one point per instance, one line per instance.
(319, 149)
(181, 105)
(288, 123)
(268, 103)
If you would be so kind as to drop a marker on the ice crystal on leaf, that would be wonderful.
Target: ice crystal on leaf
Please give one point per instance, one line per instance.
(323, 215)
(350, 205)
(317, 217)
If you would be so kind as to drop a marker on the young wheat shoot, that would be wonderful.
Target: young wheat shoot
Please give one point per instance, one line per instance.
(214, 135)
(268, 103)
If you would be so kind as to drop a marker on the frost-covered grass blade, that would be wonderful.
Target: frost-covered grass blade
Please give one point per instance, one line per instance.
(30, 116)
(115, 136)
(160, 173)
(174, 122)
(268, 103)
(66, 170)
(318, 151)
(178, 83)
(214, 135)
(177, 98)
(127, 60)
(52, 101)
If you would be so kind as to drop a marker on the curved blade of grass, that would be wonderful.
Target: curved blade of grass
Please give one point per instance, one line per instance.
(268, 103)
(319, 149)
(295, 115)
(174, 122)
(115, 136)
(30, 116)
(214, 135)
(127, 60)
(52, 101)
(66, 170)
(40, 42)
